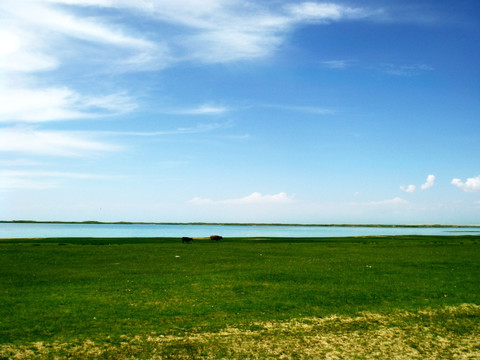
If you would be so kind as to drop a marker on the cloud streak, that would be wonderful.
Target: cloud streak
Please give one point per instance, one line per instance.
(390, 202)
(324, 12)
(336, 64)
(305, 109)
(400, 70)
(205, 109)
(53, 104)
(26, 140)
(200, 128)
(54, 174)
(21, 55)
(254, 198)
(404, 70)
(40, 180)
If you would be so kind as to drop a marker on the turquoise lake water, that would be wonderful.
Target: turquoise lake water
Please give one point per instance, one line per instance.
(36, 230)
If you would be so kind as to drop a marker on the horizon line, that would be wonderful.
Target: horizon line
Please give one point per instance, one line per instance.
(93, 222)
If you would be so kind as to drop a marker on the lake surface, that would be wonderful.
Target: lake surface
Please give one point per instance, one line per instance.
(37, 230)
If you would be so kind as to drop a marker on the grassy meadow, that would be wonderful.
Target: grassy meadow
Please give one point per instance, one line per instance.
(145, 298)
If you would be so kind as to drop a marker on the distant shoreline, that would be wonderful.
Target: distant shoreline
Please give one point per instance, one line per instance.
(237, 224)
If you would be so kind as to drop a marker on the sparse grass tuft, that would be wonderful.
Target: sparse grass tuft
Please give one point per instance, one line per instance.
(400, 335)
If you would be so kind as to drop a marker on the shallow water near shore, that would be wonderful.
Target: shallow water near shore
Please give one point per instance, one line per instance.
(43, 230)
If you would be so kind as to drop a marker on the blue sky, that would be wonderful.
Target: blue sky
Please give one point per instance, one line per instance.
(240, 111)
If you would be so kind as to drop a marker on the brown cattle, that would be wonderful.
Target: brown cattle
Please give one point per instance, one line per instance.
(215, 237)
(186, 239)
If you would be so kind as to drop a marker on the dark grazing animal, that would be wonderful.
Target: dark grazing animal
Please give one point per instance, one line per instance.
(187, 239)
(215, 237)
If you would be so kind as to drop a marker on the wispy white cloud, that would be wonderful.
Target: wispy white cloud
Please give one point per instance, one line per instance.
(26, 140)
(94, 30)
(409, 188)
(471, 185)
(395, 201)
(38, 105)
(237, 31)
(34, 37)
(39, 180)
(9, 43)
(322, 12)
(54, 174)
(19, 54)
(51, 27)
(305, 109)
(254, 198)
(404, 70)
(20, 162)
(7, 183)
(429, 183)
(51, 104)
(199, 128)
(336, 64)
(211, 31)
(227, 45)
(205, 109)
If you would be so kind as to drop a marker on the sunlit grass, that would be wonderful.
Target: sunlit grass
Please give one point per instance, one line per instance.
(112, 291)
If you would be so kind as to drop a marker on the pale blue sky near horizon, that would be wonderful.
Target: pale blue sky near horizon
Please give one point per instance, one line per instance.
(240, 111)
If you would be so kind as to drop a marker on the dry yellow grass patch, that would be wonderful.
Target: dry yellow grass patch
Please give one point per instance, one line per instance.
(450, 333)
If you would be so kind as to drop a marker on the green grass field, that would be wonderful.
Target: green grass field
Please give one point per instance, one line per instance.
(372, 297)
